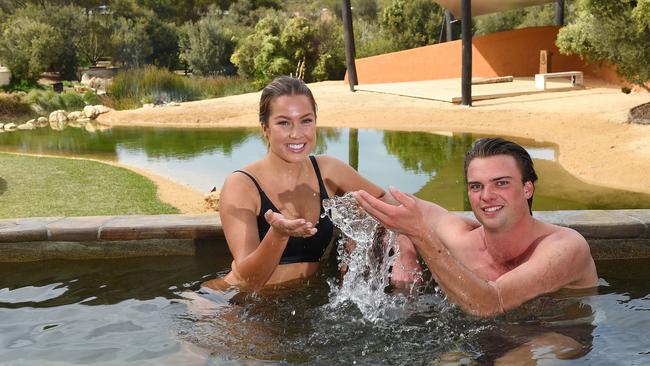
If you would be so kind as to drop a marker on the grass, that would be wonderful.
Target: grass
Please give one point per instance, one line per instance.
(133, 88)
(41, 187)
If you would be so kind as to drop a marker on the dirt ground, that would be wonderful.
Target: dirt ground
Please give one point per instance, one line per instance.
(596, 144)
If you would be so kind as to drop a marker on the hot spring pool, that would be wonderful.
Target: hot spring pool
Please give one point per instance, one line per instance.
(146, 311)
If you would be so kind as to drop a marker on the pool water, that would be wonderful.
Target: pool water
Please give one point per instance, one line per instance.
(147, 311)
(428, 165)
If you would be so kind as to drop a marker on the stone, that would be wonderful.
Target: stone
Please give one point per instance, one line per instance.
(25, 126)
(41, 122)
(212, 200)
(76, 228)
(10, 126)
(17, 230)
(73, 116)
(58, 120)
(2, 126)
(101, 109)
(147, 105)
(161, 227)
(91, 112)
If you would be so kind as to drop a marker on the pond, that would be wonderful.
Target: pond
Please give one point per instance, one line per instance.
(146, 311)
(428, 165)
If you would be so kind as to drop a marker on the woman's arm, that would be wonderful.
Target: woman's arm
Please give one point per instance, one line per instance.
(254, 261)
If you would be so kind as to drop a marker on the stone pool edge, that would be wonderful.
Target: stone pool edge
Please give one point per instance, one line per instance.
(612, 234)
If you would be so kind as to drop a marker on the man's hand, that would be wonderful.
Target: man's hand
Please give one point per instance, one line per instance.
(405, 218)
(297, 227)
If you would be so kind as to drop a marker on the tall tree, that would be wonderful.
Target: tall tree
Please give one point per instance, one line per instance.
(614, 31)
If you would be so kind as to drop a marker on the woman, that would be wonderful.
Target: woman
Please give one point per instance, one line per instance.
(271, 209)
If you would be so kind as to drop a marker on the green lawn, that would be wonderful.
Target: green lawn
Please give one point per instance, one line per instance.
(38, 187)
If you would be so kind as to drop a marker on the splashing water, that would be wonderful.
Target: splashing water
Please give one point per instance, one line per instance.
(369, 251)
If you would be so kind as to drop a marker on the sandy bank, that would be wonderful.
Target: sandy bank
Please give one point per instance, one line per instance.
(589, 126)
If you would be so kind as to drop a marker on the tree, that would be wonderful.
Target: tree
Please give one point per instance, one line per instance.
(614, 31)
(28, 47)
(130, 42)
(532, 16)
(206, 46)
(412, 23)
(282, 46)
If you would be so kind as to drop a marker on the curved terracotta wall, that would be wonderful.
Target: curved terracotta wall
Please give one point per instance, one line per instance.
(513, 53)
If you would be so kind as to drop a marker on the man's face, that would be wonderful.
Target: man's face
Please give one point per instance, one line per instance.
(496, 193)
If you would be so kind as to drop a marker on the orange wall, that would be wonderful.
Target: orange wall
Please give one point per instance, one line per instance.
(513, 53)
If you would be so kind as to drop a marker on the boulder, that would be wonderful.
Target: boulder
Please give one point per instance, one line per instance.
(2, 126)
(212, 200)
(58, 120)
(41, 122)
(26, 126)
(57, 115)
(73, 116)
(91, 112)
(10, 127)
(101, 109)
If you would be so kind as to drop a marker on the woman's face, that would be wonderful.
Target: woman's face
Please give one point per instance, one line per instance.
(291, 129)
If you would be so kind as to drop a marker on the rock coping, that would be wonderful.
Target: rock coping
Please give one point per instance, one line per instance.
(612, 234)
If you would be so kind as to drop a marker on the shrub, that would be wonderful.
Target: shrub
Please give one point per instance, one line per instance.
(412, 23)
(614, 31)
(28, 47)
(48, 100)
(206, 46)
(282, 46)
(132, 88)
(12, 104)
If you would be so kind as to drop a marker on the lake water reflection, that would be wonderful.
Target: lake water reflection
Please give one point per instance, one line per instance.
(428, 165)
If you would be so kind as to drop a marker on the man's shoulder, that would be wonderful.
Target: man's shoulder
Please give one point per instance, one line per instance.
(560, 237)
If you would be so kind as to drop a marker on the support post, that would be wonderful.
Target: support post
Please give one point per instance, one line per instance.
(348, 38)
(559, 13)
(353, 148)
(450, 29)
(466, 14)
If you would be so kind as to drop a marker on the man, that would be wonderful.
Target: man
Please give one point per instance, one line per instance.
(507, 257)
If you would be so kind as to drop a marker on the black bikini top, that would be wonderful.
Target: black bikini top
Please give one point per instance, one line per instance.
(298, 249)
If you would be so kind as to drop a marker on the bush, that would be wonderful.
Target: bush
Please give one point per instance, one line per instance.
(28, 47)
(48, 100)
(132, 88)
(282, 46)
(412, 23)
(614, 31)
(206, 46)
(12, 105)
(369, 41)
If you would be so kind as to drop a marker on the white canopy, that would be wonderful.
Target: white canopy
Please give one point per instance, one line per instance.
(480, 7)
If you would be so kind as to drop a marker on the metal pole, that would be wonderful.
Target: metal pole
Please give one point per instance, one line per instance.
(449, 23)
(466, 14)
(559, 13)
(348, 38)
(353, 148)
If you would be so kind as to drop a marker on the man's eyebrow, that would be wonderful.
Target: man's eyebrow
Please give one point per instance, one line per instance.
(499, 178)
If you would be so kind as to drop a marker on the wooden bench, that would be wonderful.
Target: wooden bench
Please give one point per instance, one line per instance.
(575, 76)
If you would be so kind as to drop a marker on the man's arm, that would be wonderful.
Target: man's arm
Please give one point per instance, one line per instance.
(557, 263)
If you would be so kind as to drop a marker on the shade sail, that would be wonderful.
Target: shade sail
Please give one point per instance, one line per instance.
(480, 7)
